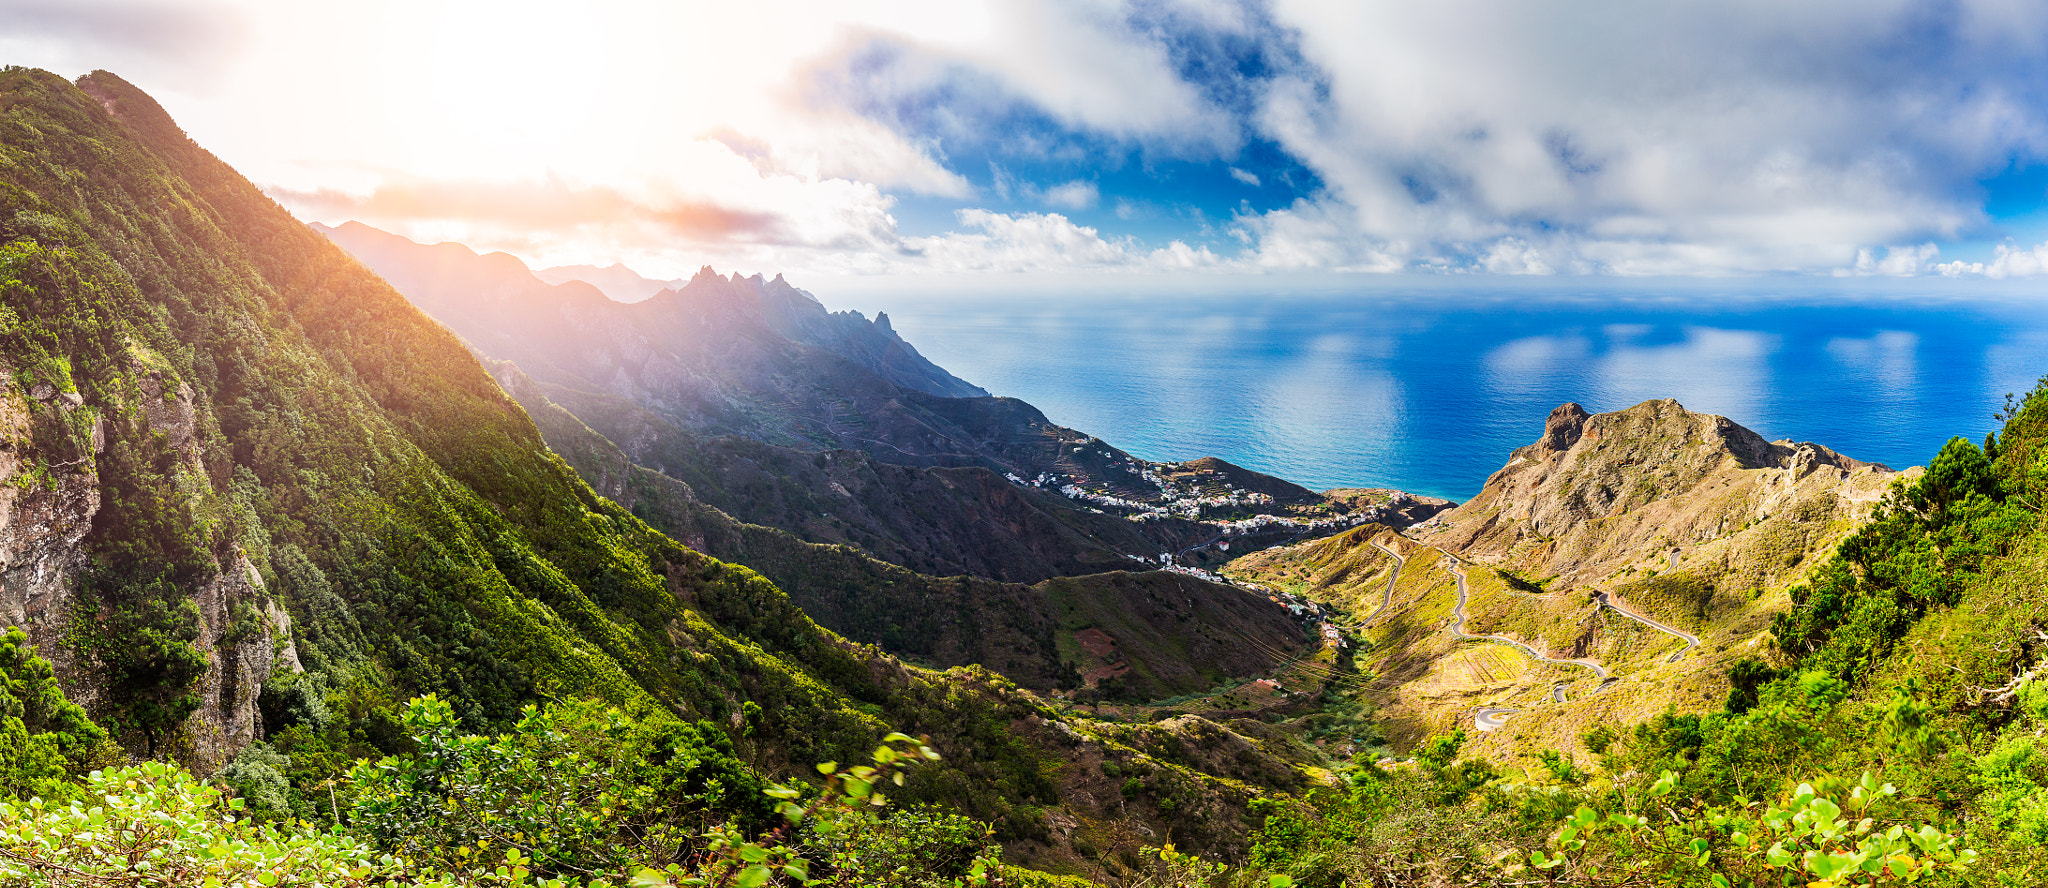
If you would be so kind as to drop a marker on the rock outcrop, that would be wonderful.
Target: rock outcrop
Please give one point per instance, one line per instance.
(1648, 487)
(50, 494)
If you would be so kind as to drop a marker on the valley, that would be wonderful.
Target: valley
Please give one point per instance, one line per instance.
(1616, 571)
(976, 496)
(451, 573)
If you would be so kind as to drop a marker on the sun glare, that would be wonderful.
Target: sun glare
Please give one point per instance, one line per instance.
(510, 87)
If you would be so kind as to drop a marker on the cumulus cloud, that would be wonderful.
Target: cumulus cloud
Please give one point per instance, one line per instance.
(731, 210)
(1685, 137)
(1552, 137)
(1512, 255)
(1090, 65)
(1897, 262)
(1693, 137)
(2008, 261)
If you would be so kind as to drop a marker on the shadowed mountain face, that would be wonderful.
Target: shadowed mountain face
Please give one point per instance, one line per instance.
(1171, 634)
(941, 522)
(781, 414)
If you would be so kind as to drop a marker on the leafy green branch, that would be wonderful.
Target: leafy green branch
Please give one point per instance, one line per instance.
(1830, 836)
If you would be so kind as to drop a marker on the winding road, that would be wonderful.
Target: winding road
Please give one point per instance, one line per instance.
(1488, 718)
(1399, 563)
(1691, 640)
(1458, 628)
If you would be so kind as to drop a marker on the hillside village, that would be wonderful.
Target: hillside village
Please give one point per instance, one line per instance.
(1142, 491)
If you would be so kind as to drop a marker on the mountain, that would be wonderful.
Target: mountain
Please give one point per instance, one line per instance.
(938, 521)
(1002, 492)
(617, 281)
(1011, 559)
(1168, 634)
(1657, 487)
(710, 353)
(253, 493)
(1621, 563)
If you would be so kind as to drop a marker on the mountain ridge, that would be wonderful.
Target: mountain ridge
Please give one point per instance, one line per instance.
(511, 288)
(276, 499)
(1025, 632)
(1108, 508)
(1613, 538)
(616, 281)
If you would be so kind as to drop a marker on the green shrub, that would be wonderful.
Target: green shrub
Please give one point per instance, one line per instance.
(577, 788)
(46, 742)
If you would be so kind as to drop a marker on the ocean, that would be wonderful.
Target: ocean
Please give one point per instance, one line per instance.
(1428, 389)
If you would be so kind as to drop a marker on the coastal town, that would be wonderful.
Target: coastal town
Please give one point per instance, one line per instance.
(1110, 482)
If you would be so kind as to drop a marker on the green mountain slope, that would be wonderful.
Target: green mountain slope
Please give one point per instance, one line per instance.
(1873, 716)
(249, 487)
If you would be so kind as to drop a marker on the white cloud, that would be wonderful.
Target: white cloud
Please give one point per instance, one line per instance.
(1687, 137)
(1076, 195)
(2008, 261)
(1512, 255)
(1084, 63)
(1690, 137)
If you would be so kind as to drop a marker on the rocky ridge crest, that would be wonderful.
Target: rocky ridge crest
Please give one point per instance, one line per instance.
(1599, 493)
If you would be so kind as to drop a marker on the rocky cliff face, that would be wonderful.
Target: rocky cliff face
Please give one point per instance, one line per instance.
(51, 441)
(1653, 487)
(46, 507)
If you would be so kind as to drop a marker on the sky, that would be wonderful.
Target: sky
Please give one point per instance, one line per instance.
(1158, 141)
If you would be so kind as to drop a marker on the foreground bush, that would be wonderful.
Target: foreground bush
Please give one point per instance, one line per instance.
(579, 796)
(156, 825)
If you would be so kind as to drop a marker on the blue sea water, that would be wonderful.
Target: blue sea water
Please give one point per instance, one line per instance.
(1428, 390)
